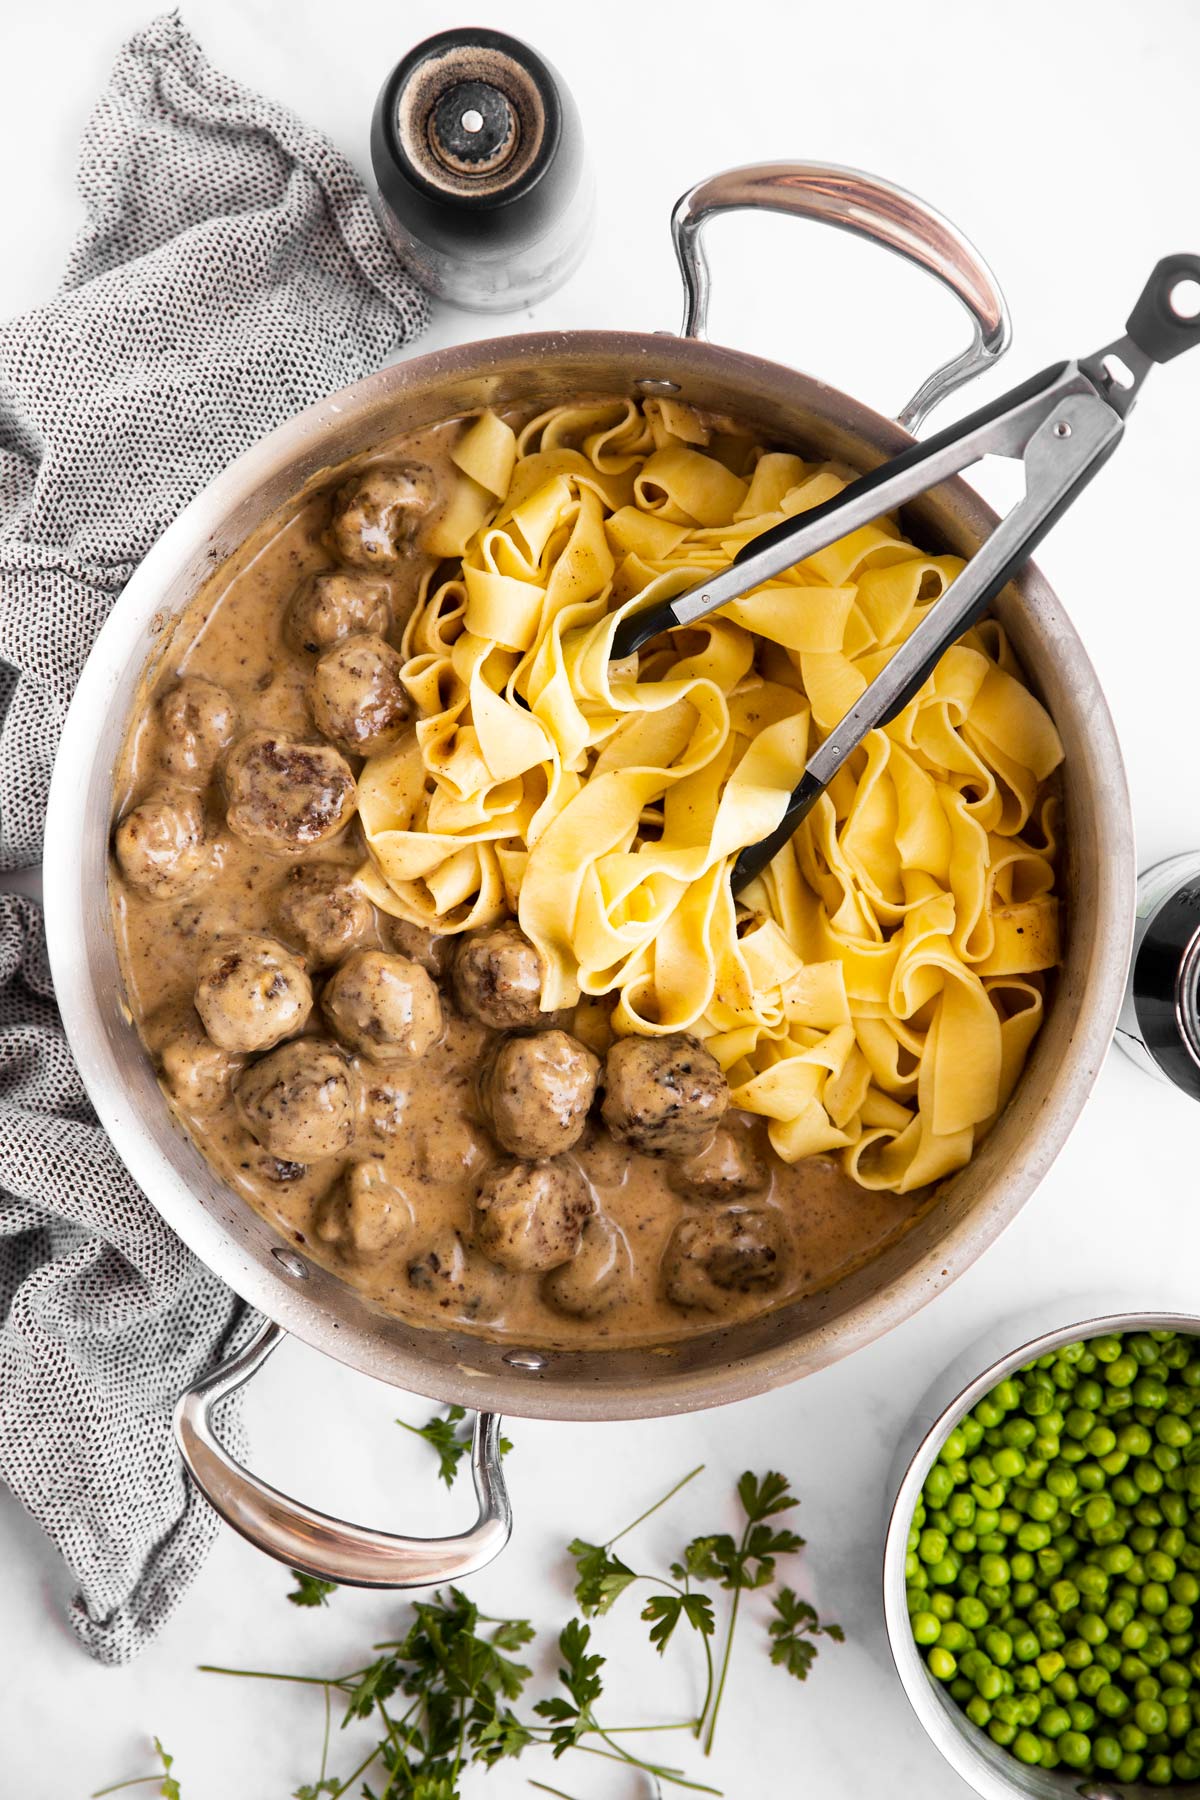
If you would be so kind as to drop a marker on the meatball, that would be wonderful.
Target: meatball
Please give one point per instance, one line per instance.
(383, 1005)
(196, 1072)
(334, 605)
(664, 1095)
(536, 1092)
(376, 516)
(299, 1101)
(498, 977)
(714, 1254)
(320, 909)
(358, 698)
(366, 1213)
(530, 1215)
(434, 950)
(725, 1169)
(285, 797)
(596, 1275)
(251, 993)
(456, 1279)
(162, 845)
(196, 720)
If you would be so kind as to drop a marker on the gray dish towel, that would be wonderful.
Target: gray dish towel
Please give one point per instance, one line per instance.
(230, 271)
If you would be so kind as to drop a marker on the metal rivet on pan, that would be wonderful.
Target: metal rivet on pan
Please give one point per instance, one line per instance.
(647, 385)
(1062, 429)
(293, 1265)
(524, 1359)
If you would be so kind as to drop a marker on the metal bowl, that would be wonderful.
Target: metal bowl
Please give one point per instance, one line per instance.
(968, 1210)
(993, 1772)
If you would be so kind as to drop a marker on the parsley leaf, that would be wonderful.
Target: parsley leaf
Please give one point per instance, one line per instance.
(310, 1590)
(792, 1632)
(445, 1435)
(602, 1577)
(168, 1784)
(666, 1610)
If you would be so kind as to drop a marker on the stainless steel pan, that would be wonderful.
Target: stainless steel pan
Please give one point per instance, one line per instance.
(726, 1363)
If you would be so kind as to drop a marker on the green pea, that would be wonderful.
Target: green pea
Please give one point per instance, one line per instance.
(972, 1432)
(1065, 1596)
(1122, 1373)
(1025, 1646)
(1054, 1721)
(999, 1646)
(1106, 1753)
(1129, 1767)
(942, 1605)
(1134, 1635)
(941, 1664)
(1092, 1679)
(1155, 1598)
(1018, 1434)
(955, 1637)
(1098, 1512)
(1077, 1654)
(1158, 1771)
(1179, 1719)
(1173, 1431)
(1075, 1748)
(989, 1683)
(1001, 1734)
(1105, 1349)
(1148, 1392)
(1186, 1766)
(926, 1627)
(1101, 1440)
(1131, 1737)
(1033, 1536)
(1112, 1701)
(1065, 1686)
(1185, 1589)
(1049, 1663)
(1109, 1657)
(954, 1448)
(1148, 1477)
(1026, 1748)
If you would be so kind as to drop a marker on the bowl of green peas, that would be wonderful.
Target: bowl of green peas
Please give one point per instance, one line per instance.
(1042, 1566)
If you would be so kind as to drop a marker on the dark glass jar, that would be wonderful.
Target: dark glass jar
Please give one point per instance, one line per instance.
(1159, 1025)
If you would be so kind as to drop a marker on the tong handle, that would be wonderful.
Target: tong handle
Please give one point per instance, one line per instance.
(1162, 324)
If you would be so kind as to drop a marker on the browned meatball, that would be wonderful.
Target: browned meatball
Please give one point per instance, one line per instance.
(536, 1092)
(376, 516)
(196, 720)
(530, 1215)
(286, 797)
(162, 845)
(498, 977)
(726, 1169)
(322, 911)
(196, 1072)
(434, 950)
(251, 993)
(299, 1101)
(334, 605)
(358, 698)
(366, 1213)
(711, 1255)
(383, 1005)
(664, 1095)
(596, 1276)
(455, 1279)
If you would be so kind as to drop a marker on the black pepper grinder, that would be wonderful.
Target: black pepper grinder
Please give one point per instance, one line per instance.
(1159, 1025)
(479, 163)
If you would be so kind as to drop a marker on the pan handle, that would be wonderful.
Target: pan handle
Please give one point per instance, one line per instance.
(870, 208)
(352, 1555)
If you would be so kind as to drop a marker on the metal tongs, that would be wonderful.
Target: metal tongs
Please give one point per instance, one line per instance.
(1062, 424)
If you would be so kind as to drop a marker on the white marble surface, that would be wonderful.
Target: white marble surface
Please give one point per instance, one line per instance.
(1062, 137)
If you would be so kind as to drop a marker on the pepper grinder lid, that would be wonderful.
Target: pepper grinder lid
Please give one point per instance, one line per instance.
(476, 144)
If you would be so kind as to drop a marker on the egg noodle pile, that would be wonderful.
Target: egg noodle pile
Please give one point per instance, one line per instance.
(877, 989)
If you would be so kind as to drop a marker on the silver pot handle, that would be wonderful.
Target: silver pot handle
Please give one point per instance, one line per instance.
(870, 208)
(297, 1535)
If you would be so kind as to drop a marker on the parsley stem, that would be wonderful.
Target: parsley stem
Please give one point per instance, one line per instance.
(733, 1617)
(550, 1790)
(361, 1770)
(325, 1681)
(663, 1774)
(134, 1781)
(642, 1517)
(328, 1722)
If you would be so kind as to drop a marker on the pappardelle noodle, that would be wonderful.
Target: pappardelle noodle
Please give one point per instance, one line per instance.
(877, 990)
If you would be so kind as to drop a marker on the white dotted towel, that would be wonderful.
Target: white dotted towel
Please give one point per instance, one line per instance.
(230, 271)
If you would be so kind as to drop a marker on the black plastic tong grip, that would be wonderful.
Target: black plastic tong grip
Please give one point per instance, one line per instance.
(1158, 329)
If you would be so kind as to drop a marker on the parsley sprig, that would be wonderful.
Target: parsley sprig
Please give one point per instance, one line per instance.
(442, 1698)
(447, 1434)
(168, 1787)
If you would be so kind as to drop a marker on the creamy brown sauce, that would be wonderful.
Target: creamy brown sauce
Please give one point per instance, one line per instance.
(419, 1124)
